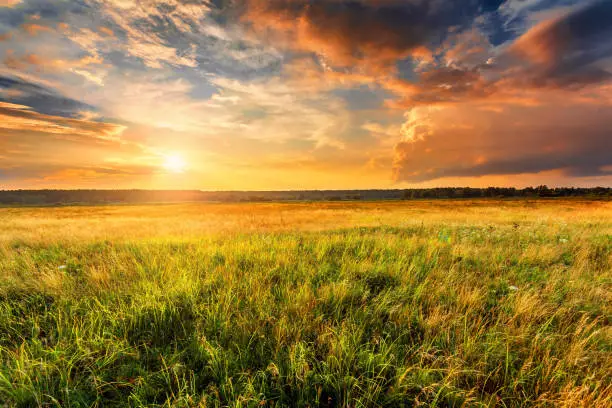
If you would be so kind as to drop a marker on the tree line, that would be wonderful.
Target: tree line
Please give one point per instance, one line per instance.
(54, 197)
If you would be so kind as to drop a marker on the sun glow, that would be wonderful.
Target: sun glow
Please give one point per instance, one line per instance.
(174, 163)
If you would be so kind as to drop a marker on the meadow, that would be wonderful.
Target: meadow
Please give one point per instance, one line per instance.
(442, 303)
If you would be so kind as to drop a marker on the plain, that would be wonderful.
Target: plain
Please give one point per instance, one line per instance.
(361, 304)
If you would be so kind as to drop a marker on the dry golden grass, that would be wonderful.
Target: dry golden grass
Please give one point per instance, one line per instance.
(184, 220)
(419, 303)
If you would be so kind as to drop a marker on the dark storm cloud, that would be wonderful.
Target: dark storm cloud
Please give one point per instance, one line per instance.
(567, 52)
(564, 51)
(347, 32)
(575, 164)
(573, 140)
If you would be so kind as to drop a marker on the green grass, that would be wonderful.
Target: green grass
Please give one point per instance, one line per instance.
(500, 304)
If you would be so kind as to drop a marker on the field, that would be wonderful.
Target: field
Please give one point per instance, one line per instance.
(395, 304)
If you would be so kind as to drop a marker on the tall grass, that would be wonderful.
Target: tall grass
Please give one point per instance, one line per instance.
(445, 303)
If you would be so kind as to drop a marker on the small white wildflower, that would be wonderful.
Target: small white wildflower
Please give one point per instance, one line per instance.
(513, 288)
(62, 267)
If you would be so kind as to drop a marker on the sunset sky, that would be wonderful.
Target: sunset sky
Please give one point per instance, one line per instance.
(297, 94)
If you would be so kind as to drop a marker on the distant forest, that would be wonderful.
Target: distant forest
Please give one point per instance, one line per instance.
(53, 197)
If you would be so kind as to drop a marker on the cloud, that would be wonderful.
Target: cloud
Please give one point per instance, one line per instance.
(67, 174)
(278, 111)
(269, 110)
(91, 77)
(564, 51)
(455, 61)
(461, 88)
(371, 34)
(41, 98)
(42, 63)
(23, 118)
(34, 29)
(469, 48)
(9, 3)
(153, 99)
(569, 52)
(514, 109)
(42, 148)
(464, 141)
(156, 33)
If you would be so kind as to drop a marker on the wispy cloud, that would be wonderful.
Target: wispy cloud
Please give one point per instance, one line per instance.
(23, 118)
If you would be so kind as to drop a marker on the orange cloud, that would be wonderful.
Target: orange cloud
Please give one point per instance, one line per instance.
(539, 45)
(9, 3)
(466, 141)
(106, 31)
(44, 64)
(24, 119)
(35, 29)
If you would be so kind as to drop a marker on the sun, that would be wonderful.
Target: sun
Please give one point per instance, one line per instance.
(174, 163)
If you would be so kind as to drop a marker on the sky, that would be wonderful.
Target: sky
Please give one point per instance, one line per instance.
(305, 94)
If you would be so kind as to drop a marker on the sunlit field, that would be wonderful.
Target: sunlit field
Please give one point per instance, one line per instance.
(394, 304)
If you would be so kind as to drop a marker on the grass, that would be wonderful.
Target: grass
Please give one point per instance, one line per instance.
(391, 304)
